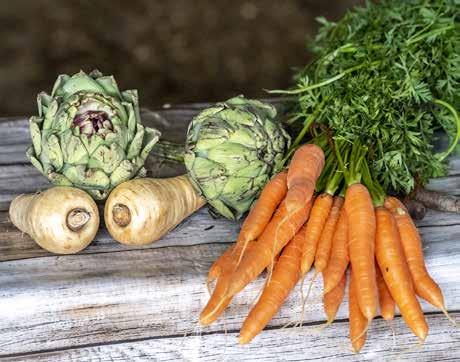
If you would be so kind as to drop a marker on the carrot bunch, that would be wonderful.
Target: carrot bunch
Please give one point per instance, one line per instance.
(289, 230)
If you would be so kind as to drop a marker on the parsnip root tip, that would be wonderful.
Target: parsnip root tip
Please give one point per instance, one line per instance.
(77, 219)
(121, 215)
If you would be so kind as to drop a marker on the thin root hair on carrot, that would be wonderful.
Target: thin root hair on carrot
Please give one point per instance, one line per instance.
(304, 300)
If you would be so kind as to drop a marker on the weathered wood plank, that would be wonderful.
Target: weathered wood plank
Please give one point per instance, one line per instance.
(16, 245)
(301, 344)
(58, 302)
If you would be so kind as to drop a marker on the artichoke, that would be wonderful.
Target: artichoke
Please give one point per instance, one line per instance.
(88, 134)
(232, 150)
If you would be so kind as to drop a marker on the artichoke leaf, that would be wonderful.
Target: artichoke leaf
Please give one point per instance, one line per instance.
(132, 97)
(106, 158)
(233, 155)
(43, 102)
(207, 113)
(58, 179)
(132, 124)
(218, 208)
(110, 85)
(136, 144)
(125, 171)
(35, 134)
(73, 150)
(246, 137)
(209, 176)
(52, 153)
(151, 137)
(61, 79)
(34, 161)
(80, 82)
(85, 178)
(235, 118)
(50, 114)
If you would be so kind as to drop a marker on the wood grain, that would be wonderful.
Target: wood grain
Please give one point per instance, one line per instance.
(62, 302)
(301, 344)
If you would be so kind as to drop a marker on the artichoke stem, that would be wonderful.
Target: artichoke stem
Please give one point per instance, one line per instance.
(77, 218)
(169, 150)
(121, 215)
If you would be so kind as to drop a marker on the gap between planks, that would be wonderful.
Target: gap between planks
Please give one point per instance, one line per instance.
(306, 325)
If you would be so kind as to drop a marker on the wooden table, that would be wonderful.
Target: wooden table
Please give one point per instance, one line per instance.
(114, 302)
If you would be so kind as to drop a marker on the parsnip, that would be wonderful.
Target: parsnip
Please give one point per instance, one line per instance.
(62, 220)
(141, 211)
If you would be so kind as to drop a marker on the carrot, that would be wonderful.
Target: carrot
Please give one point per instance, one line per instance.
(260, 256)
(313, 229)
(62, 220)
(339, 258)
(387, 303)
(285, 276)
(232, 252)
(424, 285)
(283, 225)
(361, 245)
(358, 322)
(260, 215)
(333, 299)
(395, 271)
(325, 242)
(216, 268)
(305, 168)
(227, 264)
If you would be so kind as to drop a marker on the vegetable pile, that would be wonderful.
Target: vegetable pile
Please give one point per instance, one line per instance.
(385, 80)
(289, 230)
(365, 119)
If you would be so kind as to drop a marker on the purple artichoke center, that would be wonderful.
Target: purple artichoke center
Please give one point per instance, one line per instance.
(93, 122)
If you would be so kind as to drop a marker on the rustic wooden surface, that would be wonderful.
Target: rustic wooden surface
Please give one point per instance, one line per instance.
(114, 302)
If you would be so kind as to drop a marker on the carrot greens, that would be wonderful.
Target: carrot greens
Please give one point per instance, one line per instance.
(387, 76)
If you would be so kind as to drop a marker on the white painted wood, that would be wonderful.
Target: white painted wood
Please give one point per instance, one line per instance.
(301, 344)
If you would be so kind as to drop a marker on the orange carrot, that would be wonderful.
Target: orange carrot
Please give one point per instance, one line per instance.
(223, 271)
(260, 215)
(424, 285)
(339, 258)
(305, 168)
(325, 242)
(358, 322)
(361, 246)
(216, 268)
(333, 299)
(313, 229)
(285, 276)
(285, 226)
(395, 271)
(387, 303)
(260, 256)
(232, 253)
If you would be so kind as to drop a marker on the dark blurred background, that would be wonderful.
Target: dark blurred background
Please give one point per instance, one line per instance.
(173, 51)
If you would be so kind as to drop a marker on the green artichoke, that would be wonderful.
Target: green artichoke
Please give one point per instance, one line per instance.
(232, 150)
(88, 134)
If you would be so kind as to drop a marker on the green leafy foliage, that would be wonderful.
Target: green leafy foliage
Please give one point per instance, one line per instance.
(387, 75)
